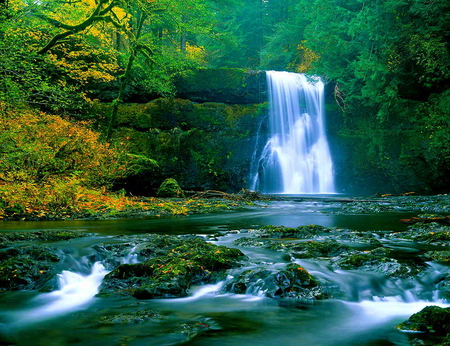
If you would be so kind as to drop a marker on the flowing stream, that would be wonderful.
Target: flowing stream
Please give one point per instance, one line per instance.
(296, 159)
(364, 311)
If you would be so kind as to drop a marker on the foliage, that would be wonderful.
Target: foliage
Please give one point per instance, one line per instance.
(49, 165)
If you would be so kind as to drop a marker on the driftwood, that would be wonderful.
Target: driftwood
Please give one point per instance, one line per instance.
(438, 219)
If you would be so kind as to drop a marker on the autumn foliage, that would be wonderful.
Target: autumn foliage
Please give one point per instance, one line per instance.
(50, 165)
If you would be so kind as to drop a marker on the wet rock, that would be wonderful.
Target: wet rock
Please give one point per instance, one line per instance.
(292, 282)
(28, 268)
(432, 319)
(379, 260)
(134, 317)
(112, 255)
(430, 233)
(427, 218)
(173, 273)
(191, 330)
(358, 237)
(255, 242)
(143, 247)
(301, 232)
(314, 249)
(440, 256)
(10, 238)
(365, 208)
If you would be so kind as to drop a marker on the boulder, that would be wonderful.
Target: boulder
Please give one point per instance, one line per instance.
(172, 271)
(292, 282)
(28, 268)
(432, 319)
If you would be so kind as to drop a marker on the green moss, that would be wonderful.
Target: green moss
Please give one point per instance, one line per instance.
(28, 267)
(301, 232)
(213, 79)
(432, 319)
(441, 256)
(57, 235)
(312, 249)
(173, 272)
(170, 188)
(134, 317)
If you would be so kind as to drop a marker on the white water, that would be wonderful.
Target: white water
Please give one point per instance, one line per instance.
(75, 292)
(296, 158)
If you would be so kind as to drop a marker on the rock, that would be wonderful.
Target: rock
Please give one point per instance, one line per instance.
(377, 260)
(28, 268)
(292, 282)
(440, 256)
(192, 329)
(427, 218)
(47, 235)
(432, 319)
(357, 237)
(255, 242)
(172, 273)
(134, 317)
(170, 188)
(430, 233)
(314, 249)
(301, 232)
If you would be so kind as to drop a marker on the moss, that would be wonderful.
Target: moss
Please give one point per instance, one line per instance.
(29, 267)
(134, 317)
(300, 275)
(292, 282)
(170, 188)
(432, 319)
(312, 249)
(213, 79)
(301, 232)
(441, 256)
(13, 237)
(172, 272)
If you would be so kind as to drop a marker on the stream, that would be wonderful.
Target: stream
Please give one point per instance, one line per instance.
(365, 311)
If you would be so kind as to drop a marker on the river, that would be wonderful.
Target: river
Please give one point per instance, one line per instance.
(366, 314)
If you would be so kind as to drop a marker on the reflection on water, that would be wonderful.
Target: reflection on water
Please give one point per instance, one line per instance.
(289, 214)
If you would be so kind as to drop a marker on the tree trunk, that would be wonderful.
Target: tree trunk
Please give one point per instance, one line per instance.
(124, 79)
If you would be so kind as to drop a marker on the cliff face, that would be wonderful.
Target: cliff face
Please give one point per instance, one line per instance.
(202, 145)
(398, 155)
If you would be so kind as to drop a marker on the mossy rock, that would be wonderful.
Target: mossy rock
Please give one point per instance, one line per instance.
(301, 232)
(172, 273)
(170, 188)
(440, 256)
(47, 235)
(133, 317)
(432, 319)
(430, 233)
(28, 268)
(292, 282)
(379, 260)
(314, 249)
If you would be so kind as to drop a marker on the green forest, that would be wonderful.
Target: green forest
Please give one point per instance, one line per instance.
(104, 100)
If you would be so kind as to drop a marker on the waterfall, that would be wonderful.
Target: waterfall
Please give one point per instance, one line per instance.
(296, 159)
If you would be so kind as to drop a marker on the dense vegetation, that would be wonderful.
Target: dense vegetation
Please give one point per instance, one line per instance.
(387, 64)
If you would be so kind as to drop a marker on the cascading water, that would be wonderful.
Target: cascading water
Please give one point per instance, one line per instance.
(296, 158)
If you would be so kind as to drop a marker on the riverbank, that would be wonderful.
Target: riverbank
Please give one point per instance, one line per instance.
(113, 206)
